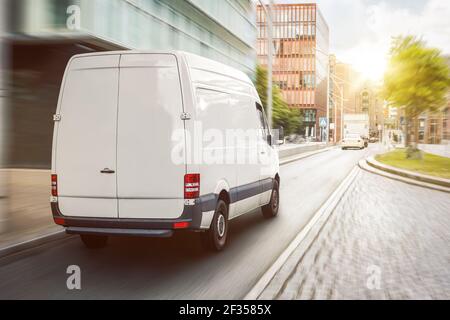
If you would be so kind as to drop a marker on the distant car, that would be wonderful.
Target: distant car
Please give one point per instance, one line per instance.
(354, 141)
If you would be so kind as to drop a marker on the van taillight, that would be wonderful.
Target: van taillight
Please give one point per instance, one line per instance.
(192, 186)
(54, 185)
(59, 221)
(180, 225)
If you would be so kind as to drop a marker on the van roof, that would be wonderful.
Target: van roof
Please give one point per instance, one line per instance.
(194, 61)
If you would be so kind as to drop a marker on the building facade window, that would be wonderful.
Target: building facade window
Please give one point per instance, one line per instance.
(300, 64)
(309, 115)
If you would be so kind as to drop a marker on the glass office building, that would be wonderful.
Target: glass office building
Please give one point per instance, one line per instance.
(300, 65)
(44, 34)
(221, 30)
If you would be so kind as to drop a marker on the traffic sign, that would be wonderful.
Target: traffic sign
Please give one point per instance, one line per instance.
(323, 122)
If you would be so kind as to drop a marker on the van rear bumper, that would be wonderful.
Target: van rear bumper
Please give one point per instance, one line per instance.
(191, 215)
(120, 232)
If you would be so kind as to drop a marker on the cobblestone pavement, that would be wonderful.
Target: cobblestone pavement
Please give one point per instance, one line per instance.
(384, 240)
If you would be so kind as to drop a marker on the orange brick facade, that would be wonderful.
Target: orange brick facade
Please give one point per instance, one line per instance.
(300, 62)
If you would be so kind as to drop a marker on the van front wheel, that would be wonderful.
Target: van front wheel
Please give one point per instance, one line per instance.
(94, 242)
(216, 237)
(271, 210)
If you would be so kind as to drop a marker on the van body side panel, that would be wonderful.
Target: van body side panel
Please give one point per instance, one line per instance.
(86, 138)
(227, 114)
(151, 138)
(213, 118)
(268, 159)
(248, 167)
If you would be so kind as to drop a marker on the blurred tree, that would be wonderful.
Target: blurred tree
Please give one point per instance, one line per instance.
(417, 79)
(282, 116)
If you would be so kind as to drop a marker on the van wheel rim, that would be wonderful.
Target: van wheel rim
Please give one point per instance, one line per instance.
(221, 225)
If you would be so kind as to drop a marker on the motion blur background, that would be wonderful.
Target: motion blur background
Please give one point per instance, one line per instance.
(333, 71)
(44, 34)
(38, 37)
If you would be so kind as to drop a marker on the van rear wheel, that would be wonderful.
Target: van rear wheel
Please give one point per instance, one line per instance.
(94, 242)
(216, 237)
(271, 210)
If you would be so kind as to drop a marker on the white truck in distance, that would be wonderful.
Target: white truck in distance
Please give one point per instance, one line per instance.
(356, 124)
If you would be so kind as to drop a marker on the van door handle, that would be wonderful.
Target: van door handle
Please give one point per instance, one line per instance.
(107, 171)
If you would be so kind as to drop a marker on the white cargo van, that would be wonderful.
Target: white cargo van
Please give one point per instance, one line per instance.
(137, 148)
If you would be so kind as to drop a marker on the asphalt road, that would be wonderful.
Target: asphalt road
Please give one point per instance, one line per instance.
(178, 268)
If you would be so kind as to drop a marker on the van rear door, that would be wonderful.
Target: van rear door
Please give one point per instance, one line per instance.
(86, 138)
(151, 165)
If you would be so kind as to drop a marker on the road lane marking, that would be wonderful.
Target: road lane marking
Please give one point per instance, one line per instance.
(321, 215)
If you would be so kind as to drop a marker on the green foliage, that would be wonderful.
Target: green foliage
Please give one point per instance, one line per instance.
(417, 77)
(261, 84)
(282, 115)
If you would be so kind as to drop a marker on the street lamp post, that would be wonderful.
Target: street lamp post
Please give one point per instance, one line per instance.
(327, 134)
(270, 64)
(328, 93)
(340, 87)
(342, 111)
(268, 11)
(335, 122)
(338, 83)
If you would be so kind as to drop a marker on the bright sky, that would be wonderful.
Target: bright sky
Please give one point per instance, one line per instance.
(361, 30)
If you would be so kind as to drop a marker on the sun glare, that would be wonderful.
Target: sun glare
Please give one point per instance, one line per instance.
(369, 61)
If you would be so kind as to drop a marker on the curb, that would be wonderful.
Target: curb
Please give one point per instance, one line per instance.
(291, 150)
(408, 174)
(304, 155)
(363, 164)
(58, 235)
(303, 240)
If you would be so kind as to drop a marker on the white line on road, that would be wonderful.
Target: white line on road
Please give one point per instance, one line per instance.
(321, 215)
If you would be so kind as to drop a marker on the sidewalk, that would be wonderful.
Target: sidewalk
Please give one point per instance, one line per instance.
(384, 240)
(27, 213)
(288, 150)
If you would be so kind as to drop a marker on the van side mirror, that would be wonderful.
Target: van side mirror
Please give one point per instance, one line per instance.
(281, 133)
(269, 139)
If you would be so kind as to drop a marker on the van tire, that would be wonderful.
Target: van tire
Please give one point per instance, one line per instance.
(94, 242)
(216, 237)
(271, 210)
